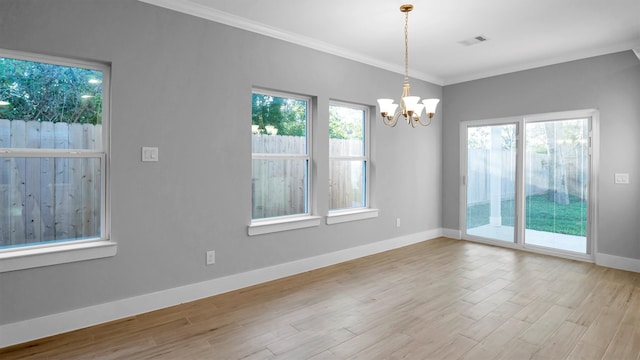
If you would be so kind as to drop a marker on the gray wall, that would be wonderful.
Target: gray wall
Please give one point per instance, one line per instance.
(609, 83)
(184, 84)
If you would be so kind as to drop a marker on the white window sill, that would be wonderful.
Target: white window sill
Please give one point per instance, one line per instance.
(52, 255)
(337, 217)
(260, 227)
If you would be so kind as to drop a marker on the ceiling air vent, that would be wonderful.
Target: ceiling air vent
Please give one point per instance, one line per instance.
(474, 40)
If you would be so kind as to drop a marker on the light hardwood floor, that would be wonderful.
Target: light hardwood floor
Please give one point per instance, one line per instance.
(441, 299)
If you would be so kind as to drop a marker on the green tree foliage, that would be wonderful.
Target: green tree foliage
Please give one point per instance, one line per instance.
(47, 92)
(480, 137)
(345, 123)
(289, 116)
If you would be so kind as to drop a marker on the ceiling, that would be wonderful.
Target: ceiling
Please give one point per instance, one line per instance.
(521, 34)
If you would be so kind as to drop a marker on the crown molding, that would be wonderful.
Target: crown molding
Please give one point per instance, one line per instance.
(579, 55)
(204, 12)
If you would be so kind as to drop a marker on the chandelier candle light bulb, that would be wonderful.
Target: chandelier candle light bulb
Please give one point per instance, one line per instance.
(410, 107)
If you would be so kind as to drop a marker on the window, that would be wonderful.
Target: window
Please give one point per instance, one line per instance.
(280, 160)
(348, 160)
(53, 157)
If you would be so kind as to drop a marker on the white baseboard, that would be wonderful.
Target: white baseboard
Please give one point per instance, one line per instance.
(618, 262)
(452, 233)
(32, 329)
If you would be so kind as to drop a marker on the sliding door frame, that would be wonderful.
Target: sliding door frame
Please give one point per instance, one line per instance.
(464, 126)
(519, 216)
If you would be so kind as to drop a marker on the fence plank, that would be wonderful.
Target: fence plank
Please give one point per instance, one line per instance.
(32, 185)
(75, 183)
(47, 180)
(90, 204)
(5, 133)
(5, 185)
(97, 181)
(61, 189)
(17, 201)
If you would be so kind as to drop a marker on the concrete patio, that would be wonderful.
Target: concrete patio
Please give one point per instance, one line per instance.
(533, 237)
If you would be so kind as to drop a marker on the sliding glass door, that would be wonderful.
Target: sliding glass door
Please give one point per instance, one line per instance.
(527, 182)
(557, 184)
(491, 182)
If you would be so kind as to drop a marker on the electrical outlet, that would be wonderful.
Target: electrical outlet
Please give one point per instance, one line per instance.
(211, 257)
(397, 222)
(149, 154)
(620, 178)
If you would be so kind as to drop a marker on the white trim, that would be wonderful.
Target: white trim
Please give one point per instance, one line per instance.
(31, 257)
(57, 60)
(618, 262)
(560, 115)
(452, 233)
(564, 58)
(32, 329)
(259, 227)
(337, 217)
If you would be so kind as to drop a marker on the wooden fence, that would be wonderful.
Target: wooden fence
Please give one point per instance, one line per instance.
(536, 174)
(278, 186)
(346, 178)
(49, 198)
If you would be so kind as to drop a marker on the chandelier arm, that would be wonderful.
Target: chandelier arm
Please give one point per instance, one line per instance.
(391, 122)
(424, 123)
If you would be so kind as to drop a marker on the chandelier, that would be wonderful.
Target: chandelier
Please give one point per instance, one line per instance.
(409, 105)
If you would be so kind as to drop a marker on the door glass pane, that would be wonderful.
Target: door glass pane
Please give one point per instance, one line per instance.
(556, 181)
(491, 181)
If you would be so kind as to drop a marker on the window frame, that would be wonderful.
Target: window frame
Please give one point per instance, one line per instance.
(66, 251)
(294, 221)
(336, 216)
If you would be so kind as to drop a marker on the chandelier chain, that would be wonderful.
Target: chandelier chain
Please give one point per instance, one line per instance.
(406, 46)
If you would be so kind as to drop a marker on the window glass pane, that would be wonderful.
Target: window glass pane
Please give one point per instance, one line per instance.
(346, 131)
(278, 125)
(49, 106)
(347, 187)
(279, 187)
(49, 199)
(347, 154)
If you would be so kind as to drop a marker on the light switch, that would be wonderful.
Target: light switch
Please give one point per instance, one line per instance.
(149, 154)
(621, 178)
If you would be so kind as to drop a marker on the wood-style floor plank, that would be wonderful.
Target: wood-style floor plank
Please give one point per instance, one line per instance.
(440, 299)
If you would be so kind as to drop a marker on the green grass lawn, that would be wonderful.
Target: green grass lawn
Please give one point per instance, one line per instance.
(541, 214)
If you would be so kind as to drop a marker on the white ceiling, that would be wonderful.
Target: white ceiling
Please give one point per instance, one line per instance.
(522, 34)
